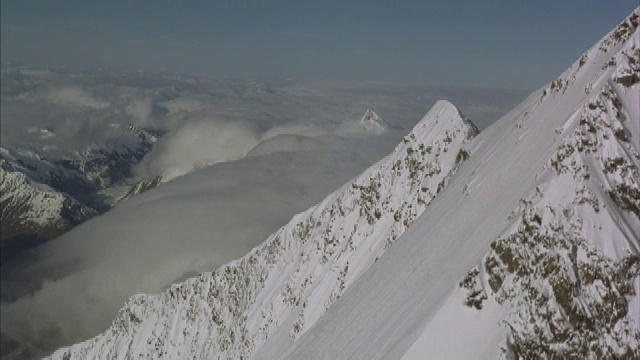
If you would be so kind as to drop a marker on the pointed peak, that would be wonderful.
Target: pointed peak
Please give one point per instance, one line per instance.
(372, 122)
(444, 104)
(445, 109)
(447, 106)
(370, 114)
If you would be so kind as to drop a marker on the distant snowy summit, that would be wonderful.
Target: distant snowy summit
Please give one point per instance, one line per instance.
(372, 123)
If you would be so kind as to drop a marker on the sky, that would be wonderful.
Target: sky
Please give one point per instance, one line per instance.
(498, 43)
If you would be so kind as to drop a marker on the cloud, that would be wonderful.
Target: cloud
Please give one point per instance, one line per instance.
(301, 129)
(184, 104)
(206, 140)
(75, 96)
(192, 224)
(196, 144)
(249, 161)
(140, 110)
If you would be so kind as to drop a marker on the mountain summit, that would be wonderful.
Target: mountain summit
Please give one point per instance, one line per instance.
(521, 241)
(282, 287)
(372, 123)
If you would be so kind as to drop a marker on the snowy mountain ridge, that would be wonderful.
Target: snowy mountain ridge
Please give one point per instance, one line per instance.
(33, 211)
(552, 270)
(529, 249)
(43, 198)
(284, 285)
(577, 234)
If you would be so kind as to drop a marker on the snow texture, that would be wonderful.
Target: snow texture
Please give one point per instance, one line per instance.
(287, 283)
(522, 241)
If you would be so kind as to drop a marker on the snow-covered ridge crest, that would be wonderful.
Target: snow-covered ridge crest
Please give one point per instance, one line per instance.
(541, 257)
(283, 286)
(567, 270)
(591, 60)
(32, 208)
(16, 188)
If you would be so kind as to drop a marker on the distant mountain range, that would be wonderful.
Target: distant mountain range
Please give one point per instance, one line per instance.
(43, 198)
(77, 137)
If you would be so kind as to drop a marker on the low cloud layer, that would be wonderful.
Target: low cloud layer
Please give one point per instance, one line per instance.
(75, 96)
(244, 157)
(192, 224)
(205, 140)
(196, 144)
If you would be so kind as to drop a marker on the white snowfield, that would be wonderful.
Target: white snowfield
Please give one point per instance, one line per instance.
(520, 242)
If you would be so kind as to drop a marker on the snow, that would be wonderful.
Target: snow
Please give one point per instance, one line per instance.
(312, 142)
(374, 271)
(333, 249)
(394, 308)
(477, 333)
(42, 204)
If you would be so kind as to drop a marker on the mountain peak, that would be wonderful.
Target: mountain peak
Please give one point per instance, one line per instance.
(310, 262)
(552, 182)
(444, 117)
(372, 122)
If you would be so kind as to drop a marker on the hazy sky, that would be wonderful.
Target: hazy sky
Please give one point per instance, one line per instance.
(497, 43)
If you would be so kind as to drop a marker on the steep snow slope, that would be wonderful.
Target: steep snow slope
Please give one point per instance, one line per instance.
(530, 247)
(281, 288)
(173, 232)
(544, 213)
